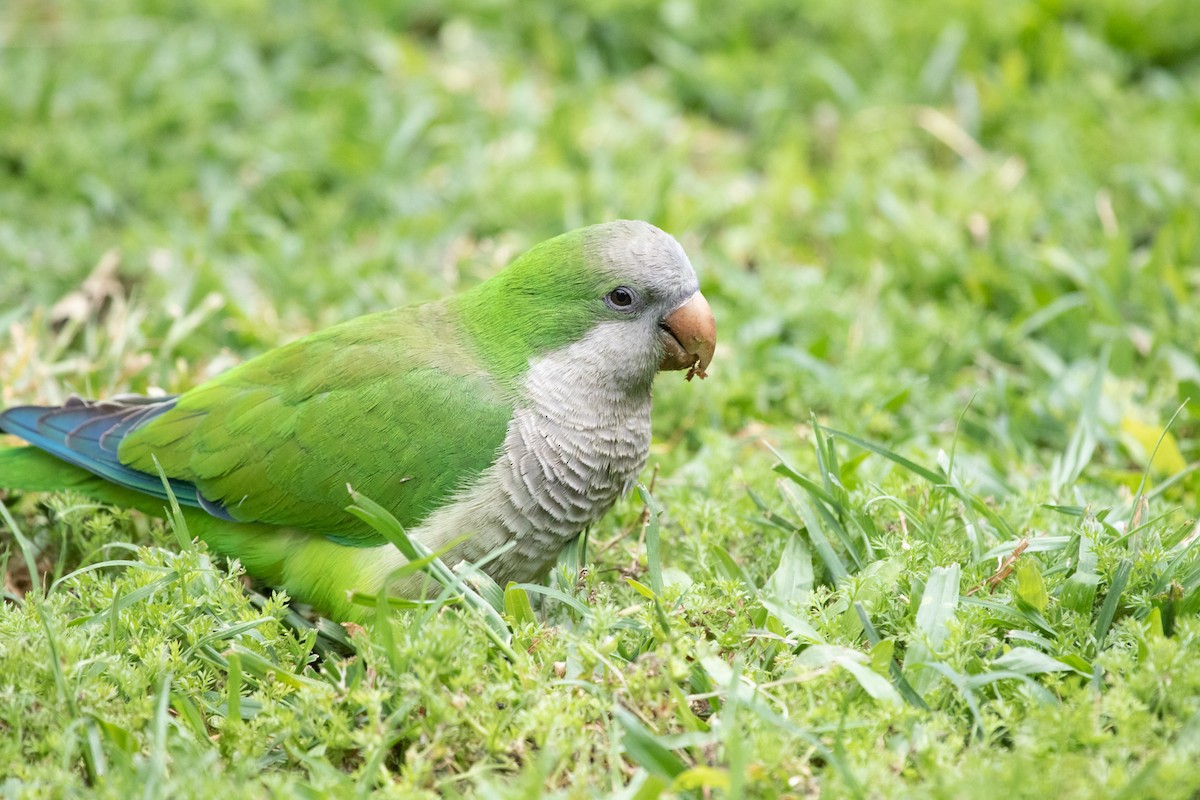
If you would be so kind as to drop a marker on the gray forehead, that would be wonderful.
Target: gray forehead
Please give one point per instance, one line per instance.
(646, 255)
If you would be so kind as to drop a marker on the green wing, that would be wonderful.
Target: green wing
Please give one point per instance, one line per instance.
(393, 404)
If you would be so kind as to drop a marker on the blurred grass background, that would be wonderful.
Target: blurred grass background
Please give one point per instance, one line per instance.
(965, 232)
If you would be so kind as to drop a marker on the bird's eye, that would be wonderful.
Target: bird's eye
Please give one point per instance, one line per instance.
(620, 298)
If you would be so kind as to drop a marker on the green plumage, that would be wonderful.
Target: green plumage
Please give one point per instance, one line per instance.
(367, 403)
(413, 407)
(545, 299)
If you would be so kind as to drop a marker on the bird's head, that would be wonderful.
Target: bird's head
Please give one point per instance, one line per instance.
(621, 295)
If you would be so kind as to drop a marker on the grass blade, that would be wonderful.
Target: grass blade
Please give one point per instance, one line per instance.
(644, 749)
(939, 602)
(653, 552)
(1111, 600)
(833, 562)
(385, 523)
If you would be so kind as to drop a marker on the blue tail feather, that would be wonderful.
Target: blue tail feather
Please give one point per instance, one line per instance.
(88, 435)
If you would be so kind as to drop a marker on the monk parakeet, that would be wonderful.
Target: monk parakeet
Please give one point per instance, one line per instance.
(517, 411)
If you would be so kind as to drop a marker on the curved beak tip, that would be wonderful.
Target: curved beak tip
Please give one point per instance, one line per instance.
(689, 335)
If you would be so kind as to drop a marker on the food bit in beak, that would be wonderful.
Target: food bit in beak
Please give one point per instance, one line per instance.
(689, 337)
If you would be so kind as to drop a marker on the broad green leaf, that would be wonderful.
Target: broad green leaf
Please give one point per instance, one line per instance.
(854, 662)
(1028, 661)
(731, 569)
(644, 748)
(881, 655)
(1079, 592)
(792, 580)
(641, 588)
(1031, 589)
(517, 605)
(701, 777)
(939, 602)
(795, 625)
(561, 597)
(1142, 440)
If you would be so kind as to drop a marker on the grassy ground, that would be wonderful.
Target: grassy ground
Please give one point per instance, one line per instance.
(914, 537)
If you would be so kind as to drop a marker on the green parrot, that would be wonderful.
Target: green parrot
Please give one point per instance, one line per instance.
(515, 412)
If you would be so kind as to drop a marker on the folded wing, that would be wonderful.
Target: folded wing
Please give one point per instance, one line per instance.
(392, 404)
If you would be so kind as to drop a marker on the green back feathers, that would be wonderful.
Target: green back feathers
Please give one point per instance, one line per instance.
(390, 403)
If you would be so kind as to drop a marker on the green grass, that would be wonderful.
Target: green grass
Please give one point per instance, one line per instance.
(954, 253)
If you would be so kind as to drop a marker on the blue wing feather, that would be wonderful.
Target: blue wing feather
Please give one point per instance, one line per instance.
(88, 435)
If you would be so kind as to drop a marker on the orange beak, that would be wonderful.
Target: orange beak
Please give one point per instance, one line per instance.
(689, 337)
